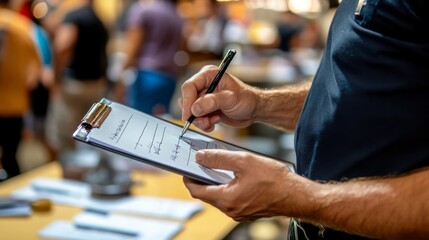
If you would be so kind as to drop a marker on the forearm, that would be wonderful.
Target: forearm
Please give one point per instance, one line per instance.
(388, 208)
(64, 44)
(282, 107)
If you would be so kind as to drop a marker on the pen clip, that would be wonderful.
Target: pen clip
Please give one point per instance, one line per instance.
(229, 54)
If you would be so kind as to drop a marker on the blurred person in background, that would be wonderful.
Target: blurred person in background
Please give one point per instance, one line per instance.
(153, 37)
(35, 120)
(80, 68)
(19, 67)
(289, 27)
(205, 33)
(297, 32)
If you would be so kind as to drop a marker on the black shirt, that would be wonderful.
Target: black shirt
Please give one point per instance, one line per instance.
(367, 113)
(89, 60)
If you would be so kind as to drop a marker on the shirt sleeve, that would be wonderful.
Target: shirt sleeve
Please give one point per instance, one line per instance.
(138, 16)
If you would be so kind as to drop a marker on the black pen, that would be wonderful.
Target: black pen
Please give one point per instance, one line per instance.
(222, 68)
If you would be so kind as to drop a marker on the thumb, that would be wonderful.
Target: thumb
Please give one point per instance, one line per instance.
(220, 159)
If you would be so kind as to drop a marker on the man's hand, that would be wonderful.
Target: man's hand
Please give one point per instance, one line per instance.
(238, 104)
(262, 187)
(233, 102)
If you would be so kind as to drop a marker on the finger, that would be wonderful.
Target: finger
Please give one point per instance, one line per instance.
(207, 123)
(180, 102)
(222, 159)
(206, 193)
(215, 119)
(193, 87)
(204, 124)
(223, 100)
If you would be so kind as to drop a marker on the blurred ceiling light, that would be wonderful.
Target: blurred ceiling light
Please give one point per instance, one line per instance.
(254, 4)
(276, 5)
(307, 7)
(40, 10)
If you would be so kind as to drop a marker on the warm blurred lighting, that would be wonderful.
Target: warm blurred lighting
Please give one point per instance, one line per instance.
(276, 5)
(263, 33)
(279, 5)
(254, 4)
(237, 11)
(107, 10)
(307, 7)
(40, 10)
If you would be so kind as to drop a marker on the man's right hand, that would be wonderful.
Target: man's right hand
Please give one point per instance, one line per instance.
(233, 102)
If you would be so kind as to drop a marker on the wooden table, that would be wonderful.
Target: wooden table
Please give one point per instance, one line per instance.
(208, 224)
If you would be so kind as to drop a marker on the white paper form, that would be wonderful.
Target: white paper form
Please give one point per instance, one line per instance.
(78, 194)
(89, 226)
(145, 228)
(157, 141)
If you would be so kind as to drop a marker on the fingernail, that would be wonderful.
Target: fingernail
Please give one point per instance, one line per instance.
(196, 109)
(198, 123)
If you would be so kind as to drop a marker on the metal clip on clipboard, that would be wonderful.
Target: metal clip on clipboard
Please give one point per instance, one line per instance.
(93, 118)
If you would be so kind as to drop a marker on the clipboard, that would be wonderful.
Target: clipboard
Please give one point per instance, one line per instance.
(123, 130)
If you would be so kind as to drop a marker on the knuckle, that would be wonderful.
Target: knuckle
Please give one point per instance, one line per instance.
(215, 157)
(211, 102)
(186, 85)
(207, 68)
(242, 157)
(243, 154)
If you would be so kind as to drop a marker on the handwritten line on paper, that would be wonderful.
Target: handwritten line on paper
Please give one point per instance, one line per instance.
(158, 144)
(138, 142)
(176, 150)
(153, 138)
(124, 128)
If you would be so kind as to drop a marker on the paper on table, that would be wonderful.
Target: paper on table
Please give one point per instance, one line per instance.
(10, 207)
(89, 226)
(79, 196)
(161, 207)
(61, 229)
(61, 186)
(142, 227)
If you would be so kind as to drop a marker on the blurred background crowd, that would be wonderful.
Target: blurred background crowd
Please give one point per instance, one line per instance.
(57, 57)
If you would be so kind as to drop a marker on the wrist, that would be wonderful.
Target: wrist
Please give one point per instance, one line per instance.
(281, 107)
(260, 105)
(308, 200)
(272, 107)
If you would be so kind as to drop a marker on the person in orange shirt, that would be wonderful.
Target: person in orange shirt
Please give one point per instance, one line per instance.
(19, 68)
